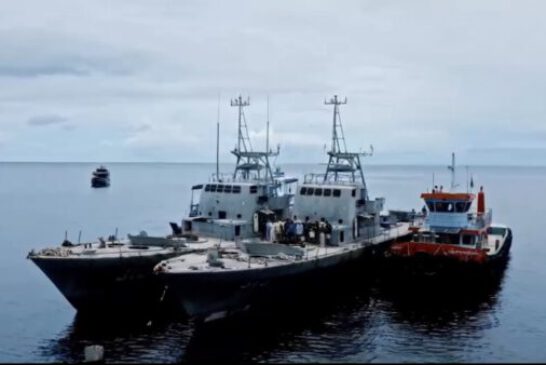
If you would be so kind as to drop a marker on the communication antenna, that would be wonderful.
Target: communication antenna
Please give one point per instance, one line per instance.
(267, 128)
(466, 167)
(452, 169)
(243, 130)
(218, 140)
(343, 164)
(337, 138)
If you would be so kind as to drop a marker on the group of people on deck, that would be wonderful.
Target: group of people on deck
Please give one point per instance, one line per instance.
(295, 231)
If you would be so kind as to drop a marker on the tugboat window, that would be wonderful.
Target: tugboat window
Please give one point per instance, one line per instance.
(207, 187)
(337, 193)
(318, 192)
(220, 189)
(327, 192)
(227, 189)
(222, 214)
(310, 191)
(213, 188)
(468, 239)
(253, 189)
(237, 189)
(303, 190)
(353, 192)
(441, 206)
(460, 207)
(430, 206)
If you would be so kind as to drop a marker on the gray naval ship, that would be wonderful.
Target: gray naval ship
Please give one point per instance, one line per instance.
(333, 224)
(97, 277)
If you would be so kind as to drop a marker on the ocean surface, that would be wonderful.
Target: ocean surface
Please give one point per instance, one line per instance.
(371, 322)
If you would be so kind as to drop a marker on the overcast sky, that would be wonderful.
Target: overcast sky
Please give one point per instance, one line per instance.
(139, 80)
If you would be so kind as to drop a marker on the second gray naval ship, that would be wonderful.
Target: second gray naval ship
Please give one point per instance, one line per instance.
(262, 245)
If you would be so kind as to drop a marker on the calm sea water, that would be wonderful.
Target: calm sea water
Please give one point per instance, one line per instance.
(368, 323)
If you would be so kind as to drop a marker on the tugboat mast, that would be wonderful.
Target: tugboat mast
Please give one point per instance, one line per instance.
(452, 169)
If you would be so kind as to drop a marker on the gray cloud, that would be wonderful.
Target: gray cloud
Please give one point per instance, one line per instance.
(422, 78)
(46, 120)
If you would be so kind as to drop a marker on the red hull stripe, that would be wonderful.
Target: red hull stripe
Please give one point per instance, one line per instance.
(464, 254)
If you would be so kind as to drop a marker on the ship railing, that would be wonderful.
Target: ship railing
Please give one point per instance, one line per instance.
(228, 178)
(319, 178)
(480, 220)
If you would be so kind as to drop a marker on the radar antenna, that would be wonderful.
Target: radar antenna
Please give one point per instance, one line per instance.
(341, 162)
(247, 159)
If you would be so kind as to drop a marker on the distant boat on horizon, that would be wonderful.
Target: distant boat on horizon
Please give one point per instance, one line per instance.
(100, 178)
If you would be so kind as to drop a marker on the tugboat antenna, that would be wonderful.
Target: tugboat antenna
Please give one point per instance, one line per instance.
(452, 169)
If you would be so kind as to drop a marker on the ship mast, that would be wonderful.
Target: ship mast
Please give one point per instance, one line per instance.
(247, 159)
(341, 163)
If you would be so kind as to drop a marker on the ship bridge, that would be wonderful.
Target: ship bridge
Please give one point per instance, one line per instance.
(451, 211)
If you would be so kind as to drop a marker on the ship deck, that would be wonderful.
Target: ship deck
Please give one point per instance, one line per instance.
(121, 248)
(234, 259)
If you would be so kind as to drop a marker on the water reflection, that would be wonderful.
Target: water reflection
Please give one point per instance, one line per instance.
(441, 300)
(125, 339)
(355, 320)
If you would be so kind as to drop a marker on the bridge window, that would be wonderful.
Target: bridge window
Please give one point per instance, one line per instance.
(220, 188)
(236, 189)
(444, 207)
(253, 189)
(337, 193)
(303, 190)
(327, 192)
(459, 207)
(310, 191)
(207, 187)
(353, 192)
(213, 188)
(227, 188)
(318, 192)
(430, 206)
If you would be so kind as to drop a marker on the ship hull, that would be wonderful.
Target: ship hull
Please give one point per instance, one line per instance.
(100, 182)
(94, 285)
(428, 266)
(218, 294)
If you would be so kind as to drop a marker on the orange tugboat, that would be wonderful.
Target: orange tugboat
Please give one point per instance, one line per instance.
(452, 236)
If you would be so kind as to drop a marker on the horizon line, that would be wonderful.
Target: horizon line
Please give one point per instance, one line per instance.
(283, 164)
